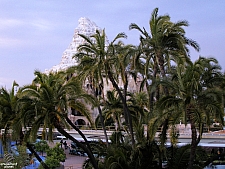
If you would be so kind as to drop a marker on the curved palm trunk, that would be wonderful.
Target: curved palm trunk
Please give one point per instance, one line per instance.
(103, 125)
(78, 130)
(102, 120)
(37, 156)
(118, 123)
(126, 110)
(155, 71)
(163, 136)
(124, 96)
(163, 74)
(100, 116)
(84, 147)
(125, 87)
(21, 136)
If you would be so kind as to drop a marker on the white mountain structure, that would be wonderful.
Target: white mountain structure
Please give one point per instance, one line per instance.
(85, 27)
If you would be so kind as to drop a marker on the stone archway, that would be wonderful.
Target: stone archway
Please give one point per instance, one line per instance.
(80, 123)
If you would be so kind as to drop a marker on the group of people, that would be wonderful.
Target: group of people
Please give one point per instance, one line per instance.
(63, 143)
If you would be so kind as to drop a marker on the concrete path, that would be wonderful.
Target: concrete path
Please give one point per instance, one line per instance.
(72, 161)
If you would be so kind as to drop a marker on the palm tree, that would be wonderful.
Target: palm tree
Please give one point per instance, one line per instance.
(165, 42)
(102, 59)
(51, 98)
(138, 105)
(8, 112)
(195, 97)
(89, 69)
(113, 108)
(181, 157)
(120, 154)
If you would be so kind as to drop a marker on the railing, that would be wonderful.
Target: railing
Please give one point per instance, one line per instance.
(72, 167)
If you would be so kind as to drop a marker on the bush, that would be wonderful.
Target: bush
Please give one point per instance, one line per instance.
(41, 146)
(55, 155)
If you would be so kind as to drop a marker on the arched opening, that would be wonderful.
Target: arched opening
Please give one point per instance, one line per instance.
(80, 123)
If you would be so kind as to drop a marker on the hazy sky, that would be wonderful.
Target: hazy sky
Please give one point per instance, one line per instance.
(34, 33)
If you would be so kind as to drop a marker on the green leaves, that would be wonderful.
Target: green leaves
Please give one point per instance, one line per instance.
(55, 155)
(41, 146)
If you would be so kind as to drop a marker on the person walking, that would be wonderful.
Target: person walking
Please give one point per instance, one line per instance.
(65, 145)
(61, 142)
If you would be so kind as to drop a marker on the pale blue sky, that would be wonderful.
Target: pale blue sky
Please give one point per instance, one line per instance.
(34, 33)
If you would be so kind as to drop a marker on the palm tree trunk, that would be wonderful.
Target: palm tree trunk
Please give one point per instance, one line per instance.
(126, 110)
(125, 87)
(161, 63)
(84, 147)
(160, 154)
(21, 136)
(163, 74)
(151, 94)
(103, 125)
(124, 95)
(162, 69)
(95, 93)
(37, 156)
(193, 143)
(102, 120)
(163, 136)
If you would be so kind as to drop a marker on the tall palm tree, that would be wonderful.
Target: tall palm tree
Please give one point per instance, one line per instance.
(102, 57)
(195, 96)
(165, 42)
(90, 68)
(51, 98)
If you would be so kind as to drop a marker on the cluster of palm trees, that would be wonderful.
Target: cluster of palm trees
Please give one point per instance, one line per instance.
(172, 88)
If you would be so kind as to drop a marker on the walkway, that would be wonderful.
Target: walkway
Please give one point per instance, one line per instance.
(72, 161)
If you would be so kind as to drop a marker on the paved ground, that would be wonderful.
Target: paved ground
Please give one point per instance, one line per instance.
(72, 161)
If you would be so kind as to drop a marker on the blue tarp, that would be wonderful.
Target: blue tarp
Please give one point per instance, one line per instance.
(15, 151)
(13, 143)
(1, 149)
(35, 163)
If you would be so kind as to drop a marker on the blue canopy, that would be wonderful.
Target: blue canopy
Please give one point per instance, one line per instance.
(15, 151)
(1, 149)
(35, 163)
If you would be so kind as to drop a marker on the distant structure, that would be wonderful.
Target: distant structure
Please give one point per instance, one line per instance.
(87, 28)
